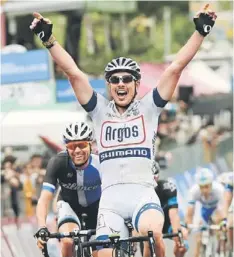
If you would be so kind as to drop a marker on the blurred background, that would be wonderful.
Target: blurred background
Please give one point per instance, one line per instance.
(195, 128)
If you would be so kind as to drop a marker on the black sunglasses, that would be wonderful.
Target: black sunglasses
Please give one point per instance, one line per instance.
(124, 79)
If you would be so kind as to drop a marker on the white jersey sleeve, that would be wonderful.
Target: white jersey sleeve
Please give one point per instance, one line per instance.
(193, 195)
(153, 101)
(96, 105)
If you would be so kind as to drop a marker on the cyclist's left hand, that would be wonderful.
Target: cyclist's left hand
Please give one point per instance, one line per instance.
(179, 250)
(204, 20)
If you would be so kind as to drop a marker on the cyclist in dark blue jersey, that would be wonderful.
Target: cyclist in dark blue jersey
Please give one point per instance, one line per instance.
(76, 171)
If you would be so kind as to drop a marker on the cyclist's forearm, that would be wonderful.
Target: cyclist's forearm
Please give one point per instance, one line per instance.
(41, 213)
(65, 61)
(227, 201)
(188, 51)
(189, 215)
(175, 220)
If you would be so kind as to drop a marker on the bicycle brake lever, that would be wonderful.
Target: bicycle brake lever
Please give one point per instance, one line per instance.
(181, 239)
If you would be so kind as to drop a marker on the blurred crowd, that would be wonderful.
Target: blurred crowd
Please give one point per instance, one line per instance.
(20, 184)
(178, 126)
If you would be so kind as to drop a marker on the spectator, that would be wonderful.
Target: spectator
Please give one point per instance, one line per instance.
(36, 162)
(10, 178)
(29, 190)
(209, 138)
(183, 120)
(8, 156)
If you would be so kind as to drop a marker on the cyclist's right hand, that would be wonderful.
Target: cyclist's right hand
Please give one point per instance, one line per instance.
(42, 236)
(41, 26)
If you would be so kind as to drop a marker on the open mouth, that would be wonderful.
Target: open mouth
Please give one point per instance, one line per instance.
(121, 93)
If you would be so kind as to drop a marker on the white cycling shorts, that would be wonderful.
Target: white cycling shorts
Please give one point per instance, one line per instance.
(65, 214)
(121, 202)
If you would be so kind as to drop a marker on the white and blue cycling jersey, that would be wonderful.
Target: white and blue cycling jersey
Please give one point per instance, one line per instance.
(229, 182)
(211, 203)
(126, 142)
(78, 187)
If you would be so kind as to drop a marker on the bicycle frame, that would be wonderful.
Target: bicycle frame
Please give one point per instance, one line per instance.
(209, 240)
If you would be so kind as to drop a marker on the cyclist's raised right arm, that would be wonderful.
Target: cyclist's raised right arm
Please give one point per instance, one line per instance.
(42, 27)
(77, 78)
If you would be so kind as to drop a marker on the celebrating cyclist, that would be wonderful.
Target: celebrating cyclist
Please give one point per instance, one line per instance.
(125, 129)
(210, 194)
(76, 171)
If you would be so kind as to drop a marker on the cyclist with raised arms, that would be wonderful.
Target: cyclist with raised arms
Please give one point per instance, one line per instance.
(126, 130)
(76, 171)
(210, 194)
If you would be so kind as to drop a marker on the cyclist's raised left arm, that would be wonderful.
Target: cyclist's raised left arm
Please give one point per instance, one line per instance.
(204, 21)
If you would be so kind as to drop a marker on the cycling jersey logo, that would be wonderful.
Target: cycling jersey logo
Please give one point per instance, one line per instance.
(74, 186)
(169, 186)
(41, 35)
(207, 28)
(131, 132)
(141, 152)
(70, 175)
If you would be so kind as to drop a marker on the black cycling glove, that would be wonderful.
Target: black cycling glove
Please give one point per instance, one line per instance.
(43, 233)
(204, 24)
(43, 30)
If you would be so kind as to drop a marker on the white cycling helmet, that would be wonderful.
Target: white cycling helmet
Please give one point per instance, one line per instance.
(78, 131)
(204, 176)
(122, 64)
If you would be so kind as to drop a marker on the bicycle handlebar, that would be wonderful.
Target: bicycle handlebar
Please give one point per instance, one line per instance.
(75, 233)
(212, 226)
(114, 239)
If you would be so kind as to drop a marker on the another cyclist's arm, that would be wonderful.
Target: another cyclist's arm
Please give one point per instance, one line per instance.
(191, 206)
(228, 195)
(175, 219)
(47, 192)
(173, 206)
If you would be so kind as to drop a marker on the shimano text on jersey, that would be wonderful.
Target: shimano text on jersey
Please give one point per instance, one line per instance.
(126, 152)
